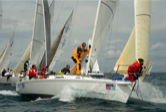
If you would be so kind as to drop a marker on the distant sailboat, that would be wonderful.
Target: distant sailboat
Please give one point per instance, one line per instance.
(7, 54)
(26, 56)
(5, 59)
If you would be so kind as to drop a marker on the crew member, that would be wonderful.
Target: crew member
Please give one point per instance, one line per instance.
(26, 65)
(32, 72)
(3, 72)
(44, 68)
(135, 70)
(65, 70)
(77, 56)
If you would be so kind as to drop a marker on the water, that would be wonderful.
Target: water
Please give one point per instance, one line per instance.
(153, 92)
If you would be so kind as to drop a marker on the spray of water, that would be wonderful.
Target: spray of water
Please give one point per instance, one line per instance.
(8, 93)
(149, 93)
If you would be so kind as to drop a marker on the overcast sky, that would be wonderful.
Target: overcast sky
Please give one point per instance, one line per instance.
(19, 15)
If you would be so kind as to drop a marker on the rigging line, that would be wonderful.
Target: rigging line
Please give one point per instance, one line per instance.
(88, 21)
(18, 34)
(57, 17)
(116, 34)
(108, 47)
(72, 28)
(26, 21)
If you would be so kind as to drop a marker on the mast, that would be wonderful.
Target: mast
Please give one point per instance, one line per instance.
(47, 32)
(87, 66)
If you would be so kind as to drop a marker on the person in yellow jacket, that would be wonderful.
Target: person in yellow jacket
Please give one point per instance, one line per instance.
(65, 70)
(77, 56)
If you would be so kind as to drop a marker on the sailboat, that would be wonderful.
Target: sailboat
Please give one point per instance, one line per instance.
(37, 40)
(108, 89)
(5, 59)
(26, 56)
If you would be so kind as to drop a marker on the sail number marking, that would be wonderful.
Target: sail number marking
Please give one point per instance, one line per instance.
(21, 85)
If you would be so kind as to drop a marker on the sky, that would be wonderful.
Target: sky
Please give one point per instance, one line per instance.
(18, 16)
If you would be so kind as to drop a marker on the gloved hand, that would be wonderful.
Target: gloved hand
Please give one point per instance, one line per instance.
(89, 46)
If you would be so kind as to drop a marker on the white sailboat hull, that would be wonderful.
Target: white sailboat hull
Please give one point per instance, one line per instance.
(12, 80)
(119, 90)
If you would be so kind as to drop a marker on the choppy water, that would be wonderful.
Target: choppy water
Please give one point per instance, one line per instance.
(153, 93)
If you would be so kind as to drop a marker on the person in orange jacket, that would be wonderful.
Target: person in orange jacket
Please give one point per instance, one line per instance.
(134, 70)
(77, 56)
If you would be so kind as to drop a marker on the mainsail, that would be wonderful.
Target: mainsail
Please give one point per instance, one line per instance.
(128, 55)
(0, 15)
(38, 37)
(63, 37)
(104, 17)
(142, 30)
(5, 59)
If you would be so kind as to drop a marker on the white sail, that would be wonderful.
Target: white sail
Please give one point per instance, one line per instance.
(52, 6)
(66, 32)
(25, 57)
(142, 29)
(96, 67)
(104, 17)
(128, 55)
(0, 15)
(5, 59)
(38, 37)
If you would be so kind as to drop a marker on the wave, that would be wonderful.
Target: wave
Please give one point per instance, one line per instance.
(8, 93)
(149, 93)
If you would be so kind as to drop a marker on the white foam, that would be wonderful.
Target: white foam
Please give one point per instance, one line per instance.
(8, 93)
(150, 93)
(42, 99)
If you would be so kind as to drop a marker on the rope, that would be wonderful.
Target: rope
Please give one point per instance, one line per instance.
(71, 29)
(57, 17)
(107, 74)
(139, 91)
(116, 40)
(108, 48)
(116, 34)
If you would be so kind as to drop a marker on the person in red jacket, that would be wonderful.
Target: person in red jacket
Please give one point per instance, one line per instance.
(32, 72)
(134, 70)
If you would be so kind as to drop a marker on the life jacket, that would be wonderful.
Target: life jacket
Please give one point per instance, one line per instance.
(79, 52)
(63, 71)
(32, 73)
(134, 68)
(44, 68)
